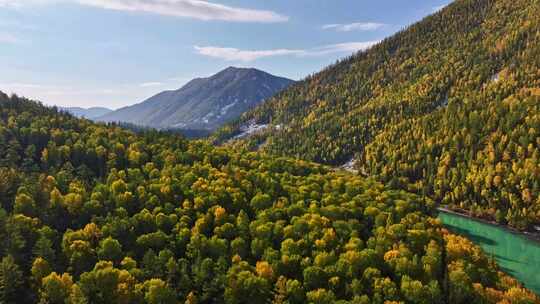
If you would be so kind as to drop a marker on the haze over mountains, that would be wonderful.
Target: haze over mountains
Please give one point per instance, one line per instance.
(90, 113)
(203, 103)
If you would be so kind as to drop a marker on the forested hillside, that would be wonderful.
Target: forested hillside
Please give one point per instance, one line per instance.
(447, 108)
(99, 214)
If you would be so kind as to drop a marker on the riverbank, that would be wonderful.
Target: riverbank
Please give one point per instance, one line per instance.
(515, 253)
(532, 236)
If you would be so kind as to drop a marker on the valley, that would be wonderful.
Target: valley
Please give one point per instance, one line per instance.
(245, 187)
(447, 108)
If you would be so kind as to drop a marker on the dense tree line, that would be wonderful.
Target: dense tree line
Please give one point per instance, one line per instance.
(99, 214)
(447, 107)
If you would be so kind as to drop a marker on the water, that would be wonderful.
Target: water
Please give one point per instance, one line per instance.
(515, 254)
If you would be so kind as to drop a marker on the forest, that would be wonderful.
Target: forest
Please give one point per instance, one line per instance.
(95, 213)
(447, 108)
(444, 113)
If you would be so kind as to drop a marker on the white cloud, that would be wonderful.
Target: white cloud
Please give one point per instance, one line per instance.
(10, 3)
(21, 3)
(150, 84)
(347, 47)
(234, 54)
(197, 9)
(357, 26)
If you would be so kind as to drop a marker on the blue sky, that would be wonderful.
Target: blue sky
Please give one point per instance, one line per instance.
(118, 52)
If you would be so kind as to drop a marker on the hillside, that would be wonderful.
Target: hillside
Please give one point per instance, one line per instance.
(90, 113)
(449, 108)
(203, 103)
(98, 214)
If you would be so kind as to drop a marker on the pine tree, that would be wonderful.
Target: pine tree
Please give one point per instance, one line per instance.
(10, 280)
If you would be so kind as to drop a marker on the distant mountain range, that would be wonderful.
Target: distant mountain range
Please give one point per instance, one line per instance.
(90, 113)
(203, 103)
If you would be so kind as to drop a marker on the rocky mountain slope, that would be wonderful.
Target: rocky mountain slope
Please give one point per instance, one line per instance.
(203, 103)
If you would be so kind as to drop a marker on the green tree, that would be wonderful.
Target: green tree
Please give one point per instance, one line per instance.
(40, 269)
(11, 280)
(157, 292)
(243, 286)
(55, 288)
(24, 204)
(110, 249)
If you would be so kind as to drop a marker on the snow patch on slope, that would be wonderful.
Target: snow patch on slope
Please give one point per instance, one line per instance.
(249, 129)
(349, 166)
(179, 125)
(226, 108)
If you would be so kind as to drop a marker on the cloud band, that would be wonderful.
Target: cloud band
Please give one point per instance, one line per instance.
(196, 9)
(234, 54)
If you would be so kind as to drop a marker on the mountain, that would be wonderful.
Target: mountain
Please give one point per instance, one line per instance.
(90, 113)
(448, 108)
(94, 213)
(203, 103)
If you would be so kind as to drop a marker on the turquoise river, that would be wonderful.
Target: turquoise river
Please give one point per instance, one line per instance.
(515, 254)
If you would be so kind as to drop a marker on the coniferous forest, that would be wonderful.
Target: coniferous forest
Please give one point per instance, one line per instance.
(446, 112)
(98, 214)
(448, 108)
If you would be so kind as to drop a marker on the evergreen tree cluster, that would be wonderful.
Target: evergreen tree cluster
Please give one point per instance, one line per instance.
(447, 108)
(94, 213)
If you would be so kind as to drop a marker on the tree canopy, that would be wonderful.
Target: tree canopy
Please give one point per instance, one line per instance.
(448, 107)
(94, 213)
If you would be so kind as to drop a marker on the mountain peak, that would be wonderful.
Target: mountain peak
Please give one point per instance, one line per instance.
(204, 103)
(235, 69)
